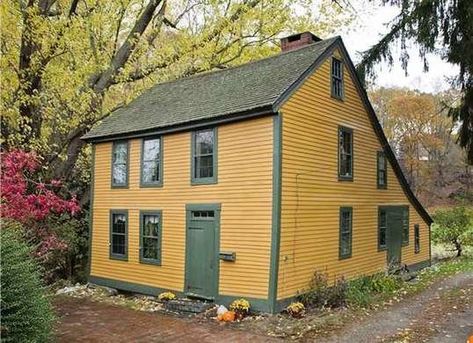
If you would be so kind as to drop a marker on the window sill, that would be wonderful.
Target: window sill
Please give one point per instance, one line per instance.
(340, 257)
(151, 185)
(345, 178)
(119, 186)
(207, 181)
(339, 98)
(119, 258)
(152, 262)
(382, 187)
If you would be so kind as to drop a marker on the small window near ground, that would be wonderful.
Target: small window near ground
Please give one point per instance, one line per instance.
(151, 163)
(120, 164)
(150, 245)
(382, 170)
(416, 239)
(345, 153)
(337, 78)
(345, 232)
(405, 226)
(382, 229)
(204, 164)
(118, 234)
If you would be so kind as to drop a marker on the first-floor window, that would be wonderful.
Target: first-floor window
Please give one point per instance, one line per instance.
(416, 239)
(382, 228)
(405, 225)
(118, 234)
(150, 245)
(345, 232)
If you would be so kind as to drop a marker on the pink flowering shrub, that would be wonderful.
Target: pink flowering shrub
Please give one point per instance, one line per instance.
(41, 207)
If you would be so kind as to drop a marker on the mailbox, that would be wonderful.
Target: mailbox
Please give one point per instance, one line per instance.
(227, 256)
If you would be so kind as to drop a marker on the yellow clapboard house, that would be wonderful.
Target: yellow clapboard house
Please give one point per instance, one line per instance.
(243, 182)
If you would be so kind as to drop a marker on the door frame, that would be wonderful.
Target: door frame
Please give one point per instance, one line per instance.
(398, 208)
(216, 207)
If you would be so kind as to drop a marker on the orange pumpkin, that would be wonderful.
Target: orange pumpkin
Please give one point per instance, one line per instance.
(229, 316)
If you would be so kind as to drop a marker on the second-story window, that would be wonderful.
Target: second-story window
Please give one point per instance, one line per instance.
(345, 153)
(204, 149)
(337, 78)
(120, 164)
(151, 162)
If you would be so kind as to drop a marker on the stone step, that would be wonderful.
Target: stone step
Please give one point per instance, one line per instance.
(187, 305)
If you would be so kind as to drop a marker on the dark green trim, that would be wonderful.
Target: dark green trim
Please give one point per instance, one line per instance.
(341, 97)
(419, 265)
(120, 185)
(352, 135)
(188, 126)
(205, 207)
(380, 155)
(416, 238)
(380, 133)
(206, 180)
(113, 256)
(405, 239)
(276, 212)
(345, 209)
(158, 183)
(91, 212)
(131, 286)
(160, 235)
(382, 247)
(257, 305)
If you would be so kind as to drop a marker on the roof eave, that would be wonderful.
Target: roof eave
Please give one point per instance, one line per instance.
(185, 126)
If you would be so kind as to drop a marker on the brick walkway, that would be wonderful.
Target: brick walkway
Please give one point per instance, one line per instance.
(81, 320)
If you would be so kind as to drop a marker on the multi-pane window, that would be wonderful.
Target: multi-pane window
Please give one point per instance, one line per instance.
(151, 164)
(382, 228)
(337, 78)
(382, 170)
(345, 232)
(118, 234)
(204, 156)
(405, 225)
(345, 153)
(150, 244)
(416, 239)
(120, 164)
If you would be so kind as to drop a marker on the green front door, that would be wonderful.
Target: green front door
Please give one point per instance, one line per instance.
(394, 236)
(201, 276)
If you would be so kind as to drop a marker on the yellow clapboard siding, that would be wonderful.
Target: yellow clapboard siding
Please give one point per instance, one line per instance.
(244, 188)
(311, 193)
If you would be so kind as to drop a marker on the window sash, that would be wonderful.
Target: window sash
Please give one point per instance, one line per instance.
(204, 164)
(382, 228)
(337, 78)
(346, 223)
(151, 166)
(120, 157)
(416, 239)
(345, 153)
(381, 167)
(150, 238)
(118, 234)
(405, 226)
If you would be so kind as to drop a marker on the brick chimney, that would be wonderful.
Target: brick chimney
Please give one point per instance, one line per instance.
(297, 40)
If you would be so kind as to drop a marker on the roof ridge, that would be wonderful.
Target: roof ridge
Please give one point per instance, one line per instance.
(213, 71)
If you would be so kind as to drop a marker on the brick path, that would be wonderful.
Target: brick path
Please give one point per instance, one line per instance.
(81, 320)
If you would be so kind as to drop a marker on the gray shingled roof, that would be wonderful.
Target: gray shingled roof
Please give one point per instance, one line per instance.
(245, 88)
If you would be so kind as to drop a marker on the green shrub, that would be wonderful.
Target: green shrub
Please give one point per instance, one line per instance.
(362, 290)
(454, 228)
(322, 294)
(26, 313)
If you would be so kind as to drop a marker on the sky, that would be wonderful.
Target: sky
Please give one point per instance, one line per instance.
(370, 26)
